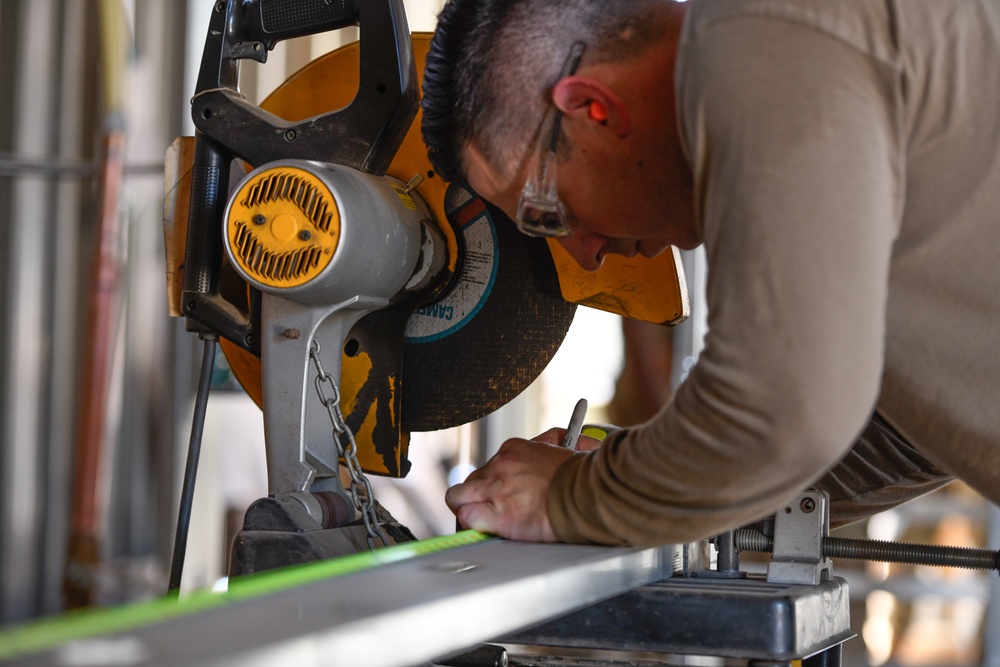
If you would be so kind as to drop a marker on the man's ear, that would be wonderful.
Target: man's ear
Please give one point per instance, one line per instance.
(581, 96)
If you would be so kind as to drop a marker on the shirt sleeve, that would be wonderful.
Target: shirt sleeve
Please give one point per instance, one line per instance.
(793, 138)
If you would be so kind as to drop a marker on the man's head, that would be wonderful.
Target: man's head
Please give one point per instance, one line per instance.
(494, 80)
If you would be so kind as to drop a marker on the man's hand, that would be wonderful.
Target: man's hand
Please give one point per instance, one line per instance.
(507, 496)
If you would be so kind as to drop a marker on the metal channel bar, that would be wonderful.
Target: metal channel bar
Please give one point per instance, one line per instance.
(395, 615)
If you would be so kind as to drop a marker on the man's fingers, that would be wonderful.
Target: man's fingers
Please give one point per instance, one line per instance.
(479, 516)
(587, 443)
(507, 496)
(463, 494)
(553, 436)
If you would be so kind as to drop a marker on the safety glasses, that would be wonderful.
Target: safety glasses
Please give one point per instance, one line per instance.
(539, 211)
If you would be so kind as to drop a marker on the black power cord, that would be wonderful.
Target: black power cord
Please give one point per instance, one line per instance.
(191, 467)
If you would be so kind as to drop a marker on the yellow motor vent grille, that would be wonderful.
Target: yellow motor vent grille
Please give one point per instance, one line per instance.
(283, 226)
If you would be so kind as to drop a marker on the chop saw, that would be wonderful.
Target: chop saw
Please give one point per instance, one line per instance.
(356, 295)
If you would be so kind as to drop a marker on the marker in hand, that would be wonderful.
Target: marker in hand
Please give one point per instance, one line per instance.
(575, 424)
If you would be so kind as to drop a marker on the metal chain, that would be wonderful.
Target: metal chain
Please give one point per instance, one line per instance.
(361, 488)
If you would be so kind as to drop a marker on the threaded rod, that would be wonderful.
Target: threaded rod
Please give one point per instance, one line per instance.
(748, 539)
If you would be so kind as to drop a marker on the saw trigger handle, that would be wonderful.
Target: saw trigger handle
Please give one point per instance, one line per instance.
(364, 135)
(262, 24)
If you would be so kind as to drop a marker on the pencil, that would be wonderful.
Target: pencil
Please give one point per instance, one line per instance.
(575, 424)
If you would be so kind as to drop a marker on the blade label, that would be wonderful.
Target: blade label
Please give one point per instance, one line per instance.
(475, 282)
(437, 310)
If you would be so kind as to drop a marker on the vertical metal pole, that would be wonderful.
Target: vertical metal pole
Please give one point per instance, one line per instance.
(74, 136)
(24, 359)
(87, 522)
(142, 506)
(729, 559)
(92, 432)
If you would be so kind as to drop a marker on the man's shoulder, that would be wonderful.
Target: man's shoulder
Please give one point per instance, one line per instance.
(865, 24)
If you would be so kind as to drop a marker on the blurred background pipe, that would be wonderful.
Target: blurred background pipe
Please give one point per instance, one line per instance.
(99, 334)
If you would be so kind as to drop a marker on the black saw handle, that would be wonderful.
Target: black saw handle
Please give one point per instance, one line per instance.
(364, 135)
(267, 22)
(249, 29)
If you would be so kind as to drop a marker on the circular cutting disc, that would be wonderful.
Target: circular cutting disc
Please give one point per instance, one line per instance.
(493, 331)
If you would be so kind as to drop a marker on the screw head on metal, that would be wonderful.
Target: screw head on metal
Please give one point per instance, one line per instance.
(250, 340)
(290, 135)
(807, 505)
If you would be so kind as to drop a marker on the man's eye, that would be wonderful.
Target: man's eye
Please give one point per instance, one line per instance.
(548, 221)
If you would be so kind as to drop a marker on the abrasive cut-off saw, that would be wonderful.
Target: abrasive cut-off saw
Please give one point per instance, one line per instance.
(358, 297)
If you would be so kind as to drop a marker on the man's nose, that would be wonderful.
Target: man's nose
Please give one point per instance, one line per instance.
(586, 248)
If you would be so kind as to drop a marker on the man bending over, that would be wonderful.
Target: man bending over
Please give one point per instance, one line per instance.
(840, 162)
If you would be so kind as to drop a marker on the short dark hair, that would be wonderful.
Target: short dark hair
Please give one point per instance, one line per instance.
(492, 64)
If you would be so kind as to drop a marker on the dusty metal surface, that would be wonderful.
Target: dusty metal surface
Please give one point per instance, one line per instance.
(396, 615)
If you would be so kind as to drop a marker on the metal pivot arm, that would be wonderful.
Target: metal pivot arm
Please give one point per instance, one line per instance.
(296, 427)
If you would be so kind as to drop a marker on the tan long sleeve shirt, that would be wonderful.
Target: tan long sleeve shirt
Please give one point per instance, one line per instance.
(847, 165)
